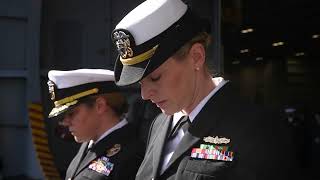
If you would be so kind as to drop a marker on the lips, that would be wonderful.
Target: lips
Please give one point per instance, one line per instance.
(159, 103)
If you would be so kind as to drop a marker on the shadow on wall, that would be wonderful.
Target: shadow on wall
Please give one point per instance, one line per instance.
(305, 124)
(1, 169)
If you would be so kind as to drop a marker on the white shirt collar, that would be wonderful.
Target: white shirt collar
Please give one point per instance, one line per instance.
(117, 126)
(176, 118)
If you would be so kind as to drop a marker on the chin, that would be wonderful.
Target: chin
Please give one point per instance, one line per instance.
(78, 140)
(167, 112)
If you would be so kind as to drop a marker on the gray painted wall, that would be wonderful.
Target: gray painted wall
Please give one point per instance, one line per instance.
(19, 85)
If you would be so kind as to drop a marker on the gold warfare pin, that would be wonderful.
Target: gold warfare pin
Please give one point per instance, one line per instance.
(216, 140)
(114, 150)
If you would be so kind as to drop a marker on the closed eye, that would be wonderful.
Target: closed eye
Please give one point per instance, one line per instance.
(70, 113)
(155, 78)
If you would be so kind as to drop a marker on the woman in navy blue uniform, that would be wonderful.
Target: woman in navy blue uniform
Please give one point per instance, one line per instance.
(205, 130)
(93, 108)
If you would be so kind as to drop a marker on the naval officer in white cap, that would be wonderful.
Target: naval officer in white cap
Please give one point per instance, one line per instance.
(89, 103)
(205, 131)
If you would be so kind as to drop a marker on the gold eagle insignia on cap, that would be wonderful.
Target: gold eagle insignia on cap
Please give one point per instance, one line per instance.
(216, 140)
(114, 150)
(51, 89)
(123, 44)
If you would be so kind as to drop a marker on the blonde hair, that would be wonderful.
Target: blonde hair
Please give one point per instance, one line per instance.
(203, 38)
(117, 101)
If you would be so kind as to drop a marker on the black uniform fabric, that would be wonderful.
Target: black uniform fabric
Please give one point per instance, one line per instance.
(125, 162)
(260, 140)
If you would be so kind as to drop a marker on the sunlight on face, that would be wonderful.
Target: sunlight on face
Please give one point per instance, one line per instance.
(170, 86)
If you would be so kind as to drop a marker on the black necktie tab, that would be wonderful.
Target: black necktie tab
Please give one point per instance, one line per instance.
(183, 124)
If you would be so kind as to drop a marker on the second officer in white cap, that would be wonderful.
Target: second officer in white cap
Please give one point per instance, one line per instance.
(92, 107)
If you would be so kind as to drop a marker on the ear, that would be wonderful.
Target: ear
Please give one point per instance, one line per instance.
(198, 55)
(101, 105)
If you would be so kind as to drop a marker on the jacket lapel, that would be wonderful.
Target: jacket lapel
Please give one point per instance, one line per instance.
(77, 160)
(159, 143)
(116, 137)
(86, 160)
(186, 142)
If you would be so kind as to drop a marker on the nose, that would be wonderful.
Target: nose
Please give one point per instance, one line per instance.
(66, 121)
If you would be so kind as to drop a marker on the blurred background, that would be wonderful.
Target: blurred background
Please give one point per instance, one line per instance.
(270, 49)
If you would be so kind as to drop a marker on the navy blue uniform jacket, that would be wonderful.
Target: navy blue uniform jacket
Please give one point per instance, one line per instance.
(259, 139)
(123, 163)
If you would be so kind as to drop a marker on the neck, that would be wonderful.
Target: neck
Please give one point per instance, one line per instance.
(106, 123)
(203, 86)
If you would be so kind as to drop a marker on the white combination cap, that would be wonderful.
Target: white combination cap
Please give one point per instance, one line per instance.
(67, 88)
(151, 33)
(151, 18)
(66, 79)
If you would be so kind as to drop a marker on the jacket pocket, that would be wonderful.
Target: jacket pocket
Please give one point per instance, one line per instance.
(206, 167)
(91, 174)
